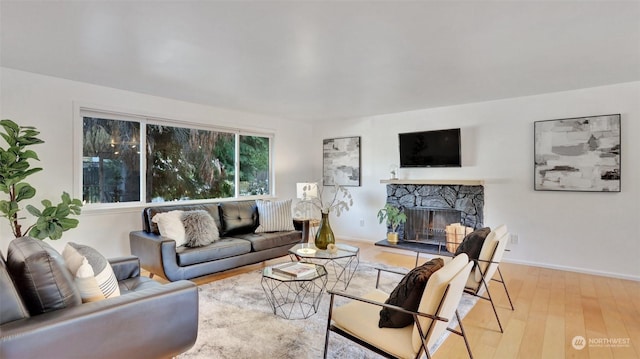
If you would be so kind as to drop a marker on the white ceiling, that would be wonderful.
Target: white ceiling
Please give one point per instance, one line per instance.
(327, 60)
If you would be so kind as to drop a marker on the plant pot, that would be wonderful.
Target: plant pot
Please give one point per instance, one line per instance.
(392, 237)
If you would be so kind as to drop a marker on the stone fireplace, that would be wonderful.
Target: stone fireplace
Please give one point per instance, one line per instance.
(432, 206)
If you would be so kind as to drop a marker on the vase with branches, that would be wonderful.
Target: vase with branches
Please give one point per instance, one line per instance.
(52, 219)
(339, 201)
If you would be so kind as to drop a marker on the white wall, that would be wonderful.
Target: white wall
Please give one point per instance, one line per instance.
(589, 232)
(47, 103)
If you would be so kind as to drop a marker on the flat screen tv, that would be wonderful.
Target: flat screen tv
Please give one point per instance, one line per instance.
(439, 148)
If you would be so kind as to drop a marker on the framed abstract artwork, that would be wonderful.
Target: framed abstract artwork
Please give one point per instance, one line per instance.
(341, 161)
(577, 154)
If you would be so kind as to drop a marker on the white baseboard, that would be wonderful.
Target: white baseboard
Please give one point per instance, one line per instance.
(355, 239)
(528, 263)
(574, 269)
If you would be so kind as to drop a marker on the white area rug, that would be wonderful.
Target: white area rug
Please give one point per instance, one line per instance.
(236, 321)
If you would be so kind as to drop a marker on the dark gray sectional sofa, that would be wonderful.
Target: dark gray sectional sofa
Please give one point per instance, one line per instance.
(239, 245)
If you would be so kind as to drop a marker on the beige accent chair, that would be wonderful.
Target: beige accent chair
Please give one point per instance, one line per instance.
(487, 264)
(358, 319)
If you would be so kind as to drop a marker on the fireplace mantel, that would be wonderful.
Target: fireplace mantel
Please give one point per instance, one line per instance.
(435, 182)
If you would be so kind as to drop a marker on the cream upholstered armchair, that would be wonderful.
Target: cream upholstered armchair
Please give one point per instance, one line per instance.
(487, 264)
(358, 319)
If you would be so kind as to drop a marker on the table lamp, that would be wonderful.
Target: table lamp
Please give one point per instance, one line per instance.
(307, 191)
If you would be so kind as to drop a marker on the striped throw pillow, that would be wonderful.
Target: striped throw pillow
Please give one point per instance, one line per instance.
(74, 256)
(274, 216)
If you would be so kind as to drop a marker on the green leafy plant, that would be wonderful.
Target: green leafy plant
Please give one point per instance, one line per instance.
(52, 219)
(392, 215)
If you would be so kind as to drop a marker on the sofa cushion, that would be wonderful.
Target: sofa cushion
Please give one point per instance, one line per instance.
(200, 228)
(170, 225)
(74, 255)
(223, 248)
(408, 294)
(148, 213)
(238, 218)
(136, 284)
(44, 282)
(361, 319)
(11, 305)
(274, 216)
(262, 241)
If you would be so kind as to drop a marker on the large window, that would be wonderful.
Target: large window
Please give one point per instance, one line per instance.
(186, 163)
(254, 165)
(110, 161)
(179, 162)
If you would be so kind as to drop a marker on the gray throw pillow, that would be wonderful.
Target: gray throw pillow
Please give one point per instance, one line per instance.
(408, 294)
(199, 228)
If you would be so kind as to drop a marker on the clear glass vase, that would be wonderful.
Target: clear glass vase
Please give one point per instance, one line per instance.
(324, 236)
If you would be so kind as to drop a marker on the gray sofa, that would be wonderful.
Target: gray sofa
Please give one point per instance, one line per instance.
(239, 245)
(42, 315)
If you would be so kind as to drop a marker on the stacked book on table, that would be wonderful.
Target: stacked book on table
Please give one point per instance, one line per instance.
(295, 269)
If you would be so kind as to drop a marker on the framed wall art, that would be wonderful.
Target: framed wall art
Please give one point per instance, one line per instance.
(577, 154)
(341, 161)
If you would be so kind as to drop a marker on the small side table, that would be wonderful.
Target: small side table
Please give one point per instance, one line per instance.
(341, 265)
(312, 224)
(294, 297)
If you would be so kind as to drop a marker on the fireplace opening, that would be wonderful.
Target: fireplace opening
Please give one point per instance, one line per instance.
(427, 225)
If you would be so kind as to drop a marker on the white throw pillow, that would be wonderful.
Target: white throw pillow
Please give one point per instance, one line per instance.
(274, 216)
(170, 226)
(75, 255)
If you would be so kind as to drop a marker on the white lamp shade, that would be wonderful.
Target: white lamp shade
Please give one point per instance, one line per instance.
(307, 190)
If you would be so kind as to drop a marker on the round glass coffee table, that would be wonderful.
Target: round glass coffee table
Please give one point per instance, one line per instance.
(341, 265)
(294, 297)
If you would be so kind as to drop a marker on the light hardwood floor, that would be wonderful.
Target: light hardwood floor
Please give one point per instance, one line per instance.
(551, 308)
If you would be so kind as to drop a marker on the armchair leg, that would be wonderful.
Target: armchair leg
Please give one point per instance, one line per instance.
(464, 335)
(326, 339)
(505, 288)
(492, 304)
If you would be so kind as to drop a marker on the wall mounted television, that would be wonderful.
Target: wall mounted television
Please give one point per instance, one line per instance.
(439, 148)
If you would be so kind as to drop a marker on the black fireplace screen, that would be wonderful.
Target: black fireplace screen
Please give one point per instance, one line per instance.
(428, 224)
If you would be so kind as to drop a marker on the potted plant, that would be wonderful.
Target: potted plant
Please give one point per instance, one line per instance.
(52, 220)
(394, 218)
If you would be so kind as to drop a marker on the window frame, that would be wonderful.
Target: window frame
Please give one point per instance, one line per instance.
(104, 112)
